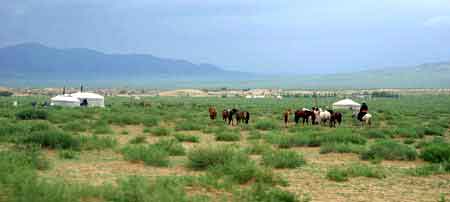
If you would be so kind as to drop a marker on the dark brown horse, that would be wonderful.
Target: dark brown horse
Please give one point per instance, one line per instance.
(225, 114)
(212, 113)
(335, 117)
(305, 115)
(233, 113)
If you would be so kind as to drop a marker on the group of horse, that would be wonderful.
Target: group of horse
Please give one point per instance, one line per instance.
(315, 116)
(230, 116)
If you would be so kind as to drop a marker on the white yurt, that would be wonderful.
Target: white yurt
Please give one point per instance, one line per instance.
(65, 101)
(346, 104)
(93, 99)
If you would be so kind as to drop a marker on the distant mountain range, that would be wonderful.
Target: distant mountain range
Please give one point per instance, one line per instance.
(36, 65)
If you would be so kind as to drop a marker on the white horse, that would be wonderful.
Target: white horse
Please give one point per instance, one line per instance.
(324, 116)
(366, 119)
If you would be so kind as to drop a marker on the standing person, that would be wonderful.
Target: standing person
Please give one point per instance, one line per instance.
(15, 104)
(363, 111)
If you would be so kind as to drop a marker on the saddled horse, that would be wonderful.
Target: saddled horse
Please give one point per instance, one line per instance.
(336, 117)
(304, 115)
(212, 113)
(365, 119)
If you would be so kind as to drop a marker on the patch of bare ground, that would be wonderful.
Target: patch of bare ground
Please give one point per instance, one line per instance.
(100, 172)
(393, 188)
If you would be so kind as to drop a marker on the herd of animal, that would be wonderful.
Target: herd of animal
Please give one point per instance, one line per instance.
(316, 116)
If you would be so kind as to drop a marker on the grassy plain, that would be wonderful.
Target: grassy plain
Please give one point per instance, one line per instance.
(171, 151)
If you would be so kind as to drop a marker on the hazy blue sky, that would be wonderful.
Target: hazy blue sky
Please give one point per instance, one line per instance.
(250, 35)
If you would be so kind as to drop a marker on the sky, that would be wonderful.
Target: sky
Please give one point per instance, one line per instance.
(265, 36)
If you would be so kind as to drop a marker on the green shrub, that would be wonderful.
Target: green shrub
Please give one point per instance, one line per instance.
(97, 142)
(186, 138)
(266, 125)
(188, 125)
(378, 134)
(342, 137)
(53, 139)
(138, 140)
(228, 136)
(389, 150)
(264, 193)
(102, 127)
(172, 146)
(430, 169)
(76, 126)
(126, 118)
(355, 170)
(338, 175)
(31, 114)
(436, 152)
(409, 141)
(150, 121)
(341, 148)
(68, 154)
(258, 147)
(283, 159)
(160, 131)
(434, 130)
(150, 155)
(409, 132)
(204, 157)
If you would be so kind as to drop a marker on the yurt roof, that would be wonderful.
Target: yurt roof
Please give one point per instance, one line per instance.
(346, 102)
(86, 95)
(64, 98)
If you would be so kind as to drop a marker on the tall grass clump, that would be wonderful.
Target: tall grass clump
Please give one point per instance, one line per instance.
(436, 152)
(31, 114)
(266, 124)
(283, 159)
(172, 146)
(150, 155)
(186, 138)
(138, 140)
(53, 139)
(101, 127)
(341, 148)
(76, 126)
(228, 136)
(264, 193)
(389, 150)
(96, 142)
(355, 170)
(161, 131)
(188, 125)
(150, 121)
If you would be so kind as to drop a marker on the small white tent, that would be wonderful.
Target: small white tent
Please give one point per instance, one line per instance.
(93, 100)
(65, 101)
(346, 104)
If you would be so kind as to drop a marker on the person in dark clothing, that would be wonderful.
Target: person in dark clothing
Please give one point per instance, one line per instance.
(363, 111)
(84, 103)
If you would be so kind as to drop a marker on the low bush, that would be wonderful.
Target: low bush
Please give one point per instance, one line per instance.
(97, 142)
(434, 130)
(68, 154)
(76, 126)
(436, 152)
(342, 136)
(52, 139)
(389, 150)
(258, 147)
(160, 131)
(430, 169)
(172, 146)
(188, 125)
(204, 157)
(355, 170)
(263, 193)
(31, 114)
(341, 148)
(266, 125)
(186, 138)
(150, 155)
(150, 121)
(101, 127)
(228, 136)
(283, 159)
(138, 140)
(378, 134)
(410, 132)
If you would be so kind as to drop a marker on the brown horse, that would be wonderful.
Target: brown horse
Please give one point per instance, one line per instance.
(243, 116)
(305, 115)
(212, 113)
(225, 114)
(335, 117)
(286, 115)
